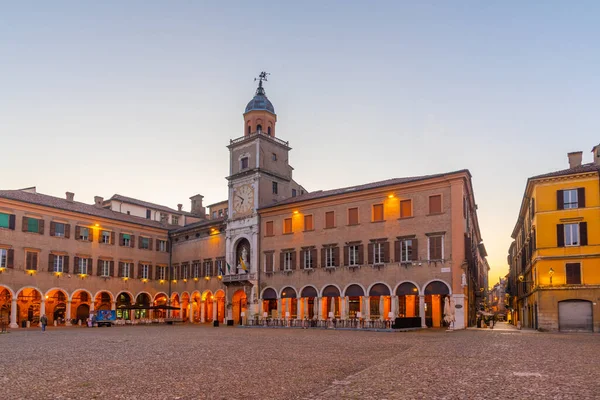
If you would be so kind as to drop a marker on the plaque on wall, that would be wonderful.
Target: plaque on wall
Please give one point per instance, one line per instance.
(446, 269)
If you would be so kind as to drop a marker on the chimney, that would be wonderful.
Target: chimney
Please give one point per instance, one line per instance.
(596, 153)
(179, 207)
(575, 159)
(197, 205)
(98, 201)
(70, 196)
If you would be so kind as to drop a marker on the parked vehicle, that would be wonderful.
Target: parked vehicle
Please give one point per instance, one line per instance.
(106, 317)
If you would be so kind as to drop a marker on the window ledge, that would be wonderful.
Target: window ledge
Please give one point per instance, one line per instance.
(432, 214)
(409, 217)
(288, 233)
(308, 230)
(378, 222)
(331, 227)
(357, 224)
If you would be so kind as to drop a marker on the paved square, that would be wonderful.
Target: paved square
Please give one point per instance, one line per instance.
(200, 362)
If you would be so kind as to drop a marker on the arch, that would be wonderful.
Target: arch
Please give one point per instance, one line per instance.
(143, 298)
(159, 294)
(406, 288)
(288, 292)
(131, 297)
(331, 290)
(185, 293)
(175, 297)
(354, 290)
(268, 294)
(28, 287)
(309, 291)
(379, 289)
(58, 289)
(196, 293)
(12, 292)
(436, 286)
(143, 292)
(82, 312)
(81, 290)
(206, 294)
(112, 296)
(259, 128)
(269, 130)
(219, 293)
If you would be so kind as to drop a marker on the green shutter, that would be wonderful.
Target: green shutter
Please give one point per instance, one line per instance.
(126, 236)
(32, 225)
(4, 220)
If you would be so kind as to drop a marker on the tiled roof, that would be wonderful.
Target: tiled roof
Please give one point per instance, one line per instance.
(200, 224)
(147, 204)
(373, 185)
(591, 167)
(78, 207)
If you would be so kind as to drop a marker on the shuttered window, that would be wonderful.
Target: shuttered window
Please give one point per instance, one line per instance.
(435, 204)
(308, 223)
(405, 208)
(287, 225)
(377, 213)
(4, 220)
(436, 247)
(269, 228)
(353, 216)
(32, 225)
(31, 260)
(330, 219)
(573, 272)
(269, 262)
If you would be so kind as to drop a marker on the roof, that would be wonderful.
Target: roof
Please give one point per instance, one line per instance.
(373, 185)
(590, 167)
(217, 203)
(78, 207)
(147, 204)
(200, 224)
(260, 101)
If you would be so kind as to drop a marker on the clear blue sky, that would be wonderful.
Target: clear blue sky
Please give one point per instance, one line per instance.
(141, 97)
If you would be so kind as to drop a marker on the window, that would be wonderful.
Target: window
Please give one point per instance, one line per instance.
(353, 216)
(273, 156)
(33, 225)
(105, 237)
(214, 215)
(378, 212)
(293, 192)
(287, 261)
(435, 204)
(104, 268)
(436, 247)
(3, 258)
(405, 208)
(330, 260)
(84, 233)
(185, 273)
(221, 213)
(59, 229)
(287, 225)
(572, 235)
(196, 270)
(308, 223)
(308, 259)
(7, 221)
(378, 253)
(144, 243)
(573, 272)
(82, 266)
(220, 267)
(269, 262)
(570, 199)
(174, 220)
(163, 217)
(126, 240)
(329, 219)
(244, 163)
(148, 214)
(145, 271)
(406, 250)
(226, 212)
(162, 245)
(59, 263)
(126, 270)
(274, 187)
(269, 131)
(31, 260)
(269, 228)
(207, 268)
(353, 255)
(161, 273)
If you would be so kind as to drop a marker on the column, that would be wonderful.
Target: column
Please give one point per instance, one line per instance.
(306, 311)
(279, 308)
(68, 317)
(395, 305)
(214, 309)
(191, 312)
(366, 307)
(181, 310)
(381, 308)
(319, 303)
(202, 312)
(343, 307)
(422, 310)
(113, 305)
(43, 308)
(92, 306)
(13, 314)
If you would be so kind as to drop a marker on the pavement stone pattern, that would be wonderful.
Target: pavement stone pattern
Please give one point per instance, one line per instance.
(202, 362)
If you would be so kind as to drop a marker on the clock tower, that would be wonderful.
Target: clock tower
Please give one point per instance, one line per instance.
(259, 175)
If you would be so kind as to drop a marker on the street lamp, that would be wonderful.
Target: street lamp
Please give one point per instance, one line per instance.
(551, 272)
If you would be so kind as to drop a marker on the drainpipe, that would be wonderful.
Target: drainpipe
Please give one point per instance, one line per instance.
(170, 241)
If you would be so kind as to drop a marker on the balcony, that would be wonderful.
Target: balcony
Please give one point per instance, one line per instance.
(239, 278)
(260, 133)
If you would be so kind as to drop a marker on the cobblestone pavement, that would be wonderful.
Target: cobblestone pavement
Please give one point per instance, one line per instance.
(201, 362)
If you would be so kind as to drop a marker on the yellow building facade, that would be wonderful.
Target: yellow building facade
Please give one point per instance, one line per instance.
(555, 258)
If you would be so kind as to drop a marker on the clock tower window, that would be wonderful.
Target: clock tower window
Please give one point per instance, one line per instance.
(274, 187)
(244, 163)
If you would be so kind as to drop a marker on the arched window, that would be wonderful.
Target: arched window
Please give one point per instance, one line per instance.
(269, 131)
(249, 130)
(258, 128)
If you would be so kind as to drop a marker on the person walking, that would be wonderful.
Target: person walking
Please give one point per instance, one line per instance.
(44, 322)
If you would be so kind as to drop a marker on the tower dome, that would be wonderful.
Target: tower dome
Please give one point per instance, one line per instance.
(260, 101)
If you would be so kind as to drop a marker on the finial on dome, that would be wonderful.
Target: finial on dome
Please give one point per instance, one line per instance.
(261, 77)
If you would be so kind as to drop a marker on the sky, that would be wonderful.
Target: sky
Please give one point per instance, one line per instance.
(141, 98)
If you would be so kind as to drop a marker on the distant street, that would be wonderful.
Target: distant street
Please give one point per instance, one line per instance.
(201, 362)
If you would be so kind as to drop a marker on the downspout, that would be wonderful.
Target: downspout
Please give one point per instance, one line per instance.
(170, 241)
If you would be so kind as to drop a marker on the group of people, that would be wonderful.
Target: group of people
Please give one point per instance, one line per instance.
(44, 321)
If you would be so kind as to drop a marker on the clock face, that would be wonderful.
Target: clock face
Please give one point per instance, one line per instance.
(243, 199)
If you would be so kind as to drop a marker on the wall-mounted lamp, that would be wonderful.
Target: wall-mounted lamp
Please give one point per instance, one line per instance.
(550, 273)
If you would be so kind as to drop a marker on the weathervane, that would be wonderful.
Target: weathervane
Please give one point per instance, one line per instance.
(261, 77)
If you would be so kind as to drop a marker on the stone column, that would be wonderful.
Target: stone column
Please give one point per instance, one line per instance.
(113, 305)
(13, 314)
(279, 308)
(181, 310)
(214, 309)
(306, 312)
(319, 302)
(202, 312)
(366, 308)
(92, 306)
(343, 307)
(395, 305)
(191, 312)
(422, 310)
(43, 308)
(68, 317)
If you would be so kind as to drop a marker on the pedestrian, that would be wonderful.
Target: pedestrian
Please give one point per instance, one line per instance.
(44, 322)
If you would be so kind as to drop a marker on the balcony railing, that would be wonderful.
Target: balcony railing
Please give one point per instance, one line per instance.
(239, 278)
(241, 139)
